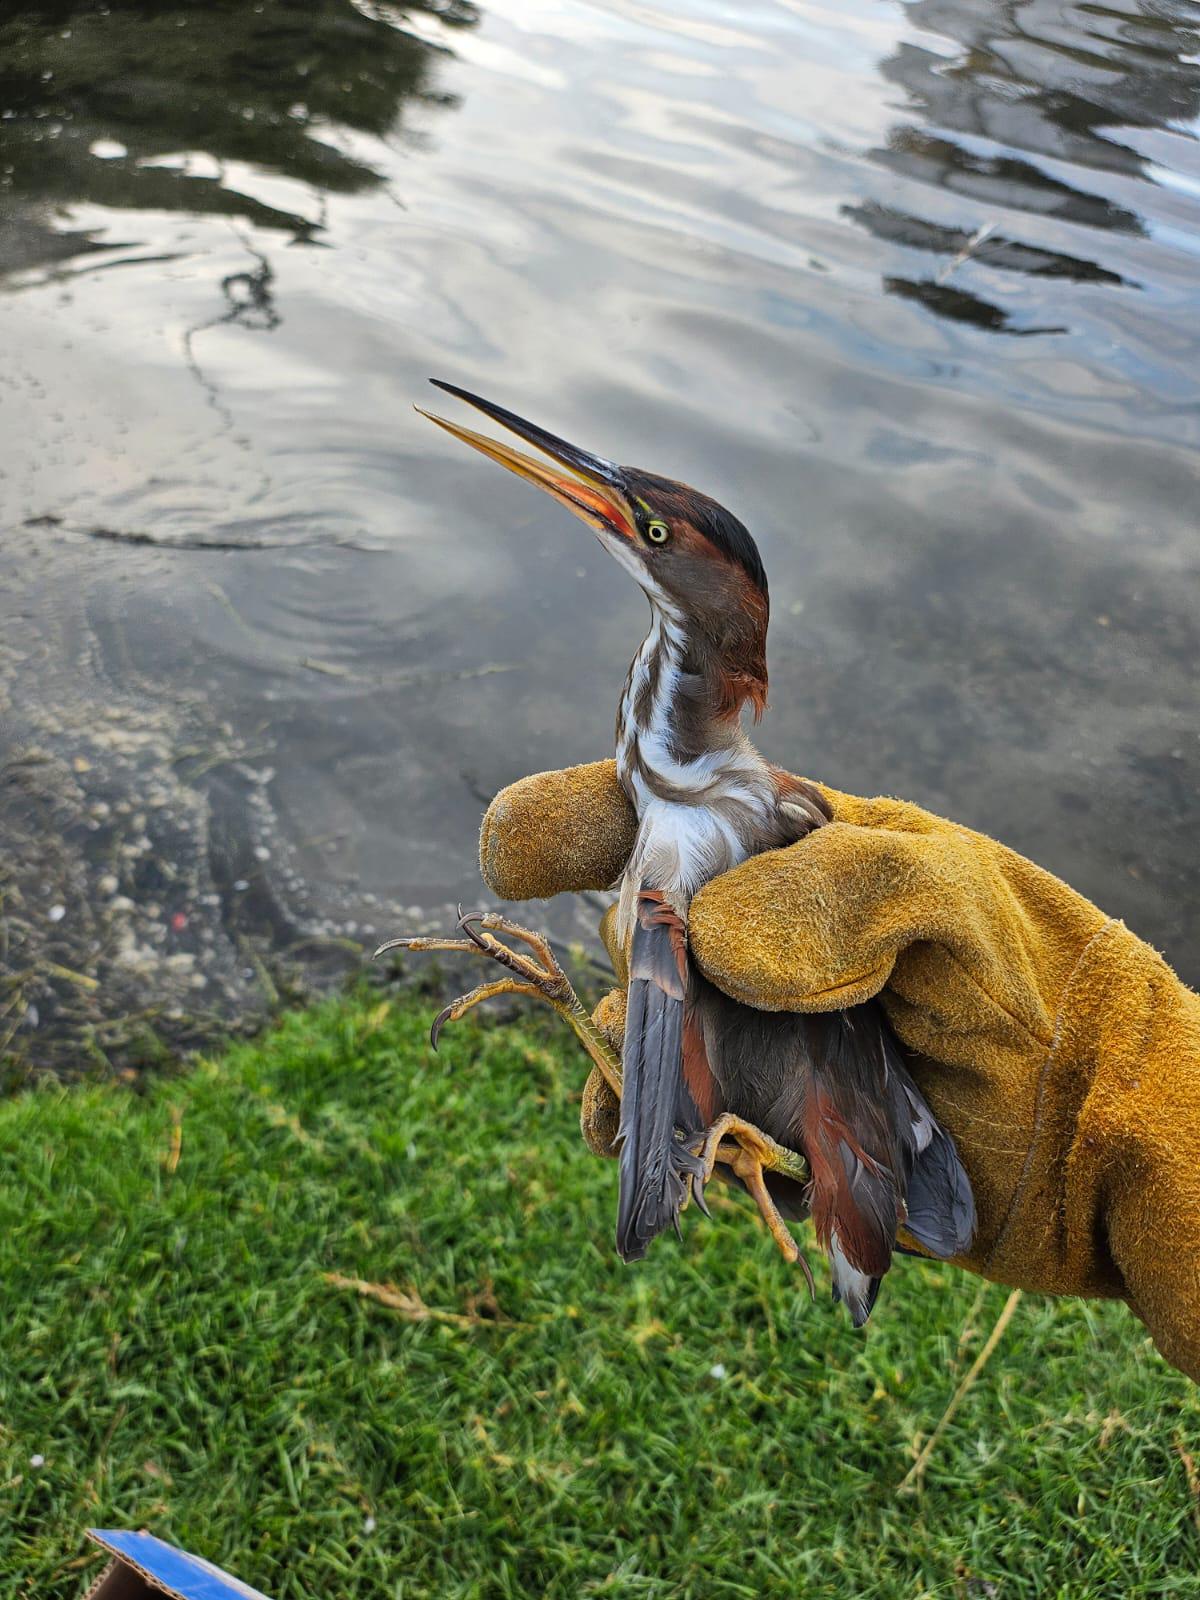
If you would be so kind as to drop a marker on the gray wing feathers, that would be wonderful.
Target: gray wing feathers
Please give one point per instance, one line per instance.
(939, 1201)
(654, 1165)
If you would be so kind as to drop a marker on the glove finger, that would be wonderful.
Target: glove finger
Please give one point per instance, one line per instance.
(609, 1017)
(819, 926)
(616, 952)
(555, 832)
(877, 811)
(600, 1113)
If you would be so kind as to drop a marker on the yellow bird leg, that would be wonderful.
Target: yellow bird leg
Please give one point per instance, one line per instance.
(750, 1153)
(744, 1149)
(538, 975)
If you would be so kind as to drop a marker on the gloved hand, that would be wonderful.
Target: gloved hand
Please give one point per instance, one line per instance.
(1061, 1052)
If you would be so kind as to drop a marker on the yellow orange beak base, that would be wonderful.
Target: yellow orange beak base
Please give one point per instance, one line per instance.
(589, 487)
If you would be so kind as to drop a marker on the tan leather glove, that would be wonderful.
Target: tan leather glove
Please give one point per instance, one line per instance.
(1061, 1051)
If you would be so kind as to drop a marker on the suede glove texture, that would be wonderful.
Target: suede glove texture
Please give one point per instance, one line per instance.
(1061, 1051)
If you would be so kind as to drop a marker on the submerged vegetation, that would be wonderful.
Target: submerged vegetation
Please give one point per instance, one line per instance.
(346, 1318)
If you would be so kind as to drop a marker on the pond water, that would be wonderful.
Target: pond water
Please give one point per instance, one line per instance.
(912, 287)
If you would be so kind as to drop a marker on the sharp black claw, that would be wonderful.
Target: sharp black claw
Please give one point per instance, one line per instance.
(698, 1188)
(435, 1031)
(390, 944)
(466, 922)
(802, 1263)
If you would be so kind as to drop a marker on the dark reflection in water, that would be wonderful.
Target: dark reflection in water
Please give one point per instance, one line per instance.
(270, 642)
(255, 83)
(141, 861)
(960, 306)
(1025, 81)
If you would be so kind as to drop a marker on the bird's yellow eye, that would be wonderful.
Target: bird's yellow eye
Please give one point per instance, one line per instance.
(657, 532)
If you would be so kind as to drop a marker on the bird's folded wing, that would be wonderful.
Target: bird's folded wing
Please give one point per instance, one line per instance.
(654, 1097)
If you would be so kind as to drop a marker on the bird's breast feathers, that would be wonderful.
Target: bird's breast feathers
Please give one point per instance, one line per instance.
(679, 847)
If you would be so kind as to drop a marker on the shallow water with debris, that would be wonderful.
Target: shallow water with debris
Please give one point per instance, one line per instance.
(912, 287)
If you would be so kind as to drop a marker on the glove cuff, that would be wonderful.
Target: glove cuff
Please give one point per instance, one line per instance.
(1116, 1115)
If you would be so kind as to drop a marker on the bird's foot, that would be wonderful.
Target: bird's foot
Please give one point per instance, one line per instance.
(536, 974)
(750, 1154)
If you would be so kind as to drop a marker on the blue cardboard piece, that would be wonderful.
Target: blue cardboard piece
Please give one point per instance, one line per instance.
(165, 1569)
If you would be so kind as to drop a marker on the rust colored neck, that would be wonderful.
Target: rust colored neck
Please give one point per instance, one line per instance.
(678, 725)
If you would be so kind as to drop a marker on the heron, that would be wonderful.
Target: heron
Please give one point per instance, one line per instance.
(815, 1114)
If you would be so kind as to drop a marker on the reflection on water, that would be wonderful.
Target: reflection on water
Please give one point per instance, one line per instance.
(139, 106)
(1013, 117)
(911, 286)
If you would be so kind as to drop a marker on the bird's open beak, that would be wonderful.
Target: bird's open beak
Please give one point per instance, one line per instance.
(590, 487)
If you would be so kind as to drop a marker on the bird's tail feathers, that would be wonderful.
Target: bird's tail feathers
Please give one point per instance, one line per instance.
(854, 1198)
(940, 1202)
(857, 1290)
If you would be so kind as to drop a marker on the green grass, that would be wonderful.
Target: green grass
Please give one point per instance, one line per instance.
(691, 1427)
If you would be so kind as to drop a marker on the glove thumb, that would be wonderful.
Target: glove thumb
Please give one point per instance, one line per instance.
(817, 926)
